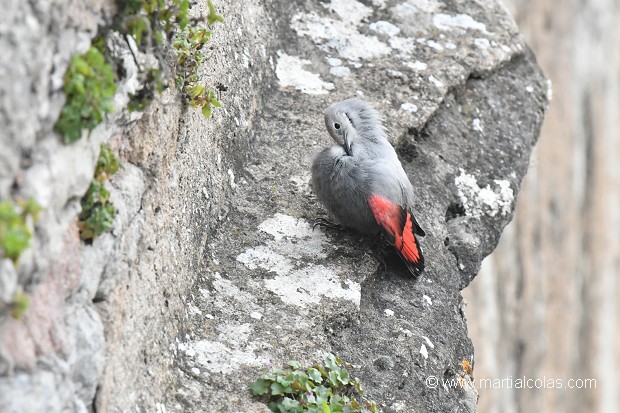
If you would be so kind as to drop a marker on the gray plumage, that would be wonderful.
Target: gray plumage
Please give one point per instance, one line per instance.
(361, 182)
(361, 163)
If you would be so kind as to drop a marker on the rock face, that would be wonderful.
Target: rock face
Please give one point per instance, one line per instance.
(212, 272)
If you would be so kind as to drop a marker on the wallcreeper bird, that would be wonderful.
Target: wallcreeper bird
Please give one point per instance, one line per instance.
(362, 183)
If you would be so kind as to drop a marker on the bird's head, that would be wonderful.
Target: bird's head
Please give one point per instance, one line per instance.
(352, 121)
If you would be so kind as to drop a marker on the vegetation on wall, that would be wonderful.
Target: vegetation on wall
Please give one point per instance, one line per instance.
(15, 233)
(322, 388)
(89, 86)
(98, 212)
(90, 80)
(16, 221)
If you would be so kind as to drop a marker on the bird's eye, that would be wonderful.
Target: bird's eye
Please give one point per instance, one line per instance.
(337, 125)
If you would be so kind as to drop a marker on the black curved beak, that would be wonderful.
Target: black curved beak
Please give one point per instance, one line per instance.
(347, 145)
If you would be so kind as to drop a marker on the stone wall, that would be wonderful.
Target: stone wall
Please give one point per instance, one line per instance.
(211, 272)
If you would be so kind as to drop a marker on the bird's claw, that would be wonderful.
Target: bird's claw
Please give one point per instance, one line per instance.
(324, 223)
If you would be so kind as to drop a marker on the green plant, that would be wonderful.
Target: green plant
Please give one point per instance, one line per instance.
(154, 18)
(323, 388)
(188, 45)
(89, 86)
(98, 212)
(146, 20)
(107, 163)
(14, 232)
(90, 80)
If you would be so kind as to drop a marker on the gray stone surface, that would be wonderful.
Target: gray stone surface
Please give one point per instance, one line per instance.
(275, 290)
(212, 272)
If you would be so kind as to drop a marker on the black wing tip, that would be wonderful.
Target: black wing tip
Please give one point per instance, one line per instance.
(417, 229)
(415, 268)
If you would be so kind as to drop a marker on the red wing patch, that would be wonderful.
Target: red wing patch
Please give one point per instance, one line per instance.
(397, 225)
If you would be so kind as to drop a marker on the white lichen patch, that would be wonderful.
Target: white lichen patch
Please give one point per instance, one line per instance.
(427, 299)
(193, 310)
(484, 201)
(427, 6)
(340, 71)
(482, 43)
(477, 125)
(417, 66)
(334, 61)
(409, 107)
(226, 289)
(351, 11)
(340, 34)
(438, 83)
(423, 351)
(266, 258)
(216, 357)
(463, 21)
(309, 284)
(384, 27)
(231, 178)
(405, 45)
(379, 3)
(281, 226)
(237, 335)
(388, 312)
(288, 254)
(429, 342)
(290, 73)
(434, 45)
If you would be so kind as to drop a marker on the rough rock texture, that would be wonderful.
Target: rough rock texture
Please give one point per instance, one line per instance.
(212, 272)
(275, 290)
(550, 292)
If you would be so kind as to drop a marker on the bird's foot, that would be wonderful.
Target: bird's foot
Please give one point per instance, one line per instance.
(324, 223)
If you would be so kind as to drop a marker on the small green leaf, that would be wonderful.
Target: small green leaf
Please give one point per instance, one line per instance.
(213, 17)
(314, 374)
(294, 364)
(290, 404)
(206, 110)
(277, 389)
(333, 378)
(260, 387)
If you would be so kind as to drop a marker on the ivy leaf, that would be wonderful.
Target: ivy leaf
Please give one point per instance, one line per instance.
(213, 17)
(277, 389)
(314, 374)
(294, 364)
(260, 387)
